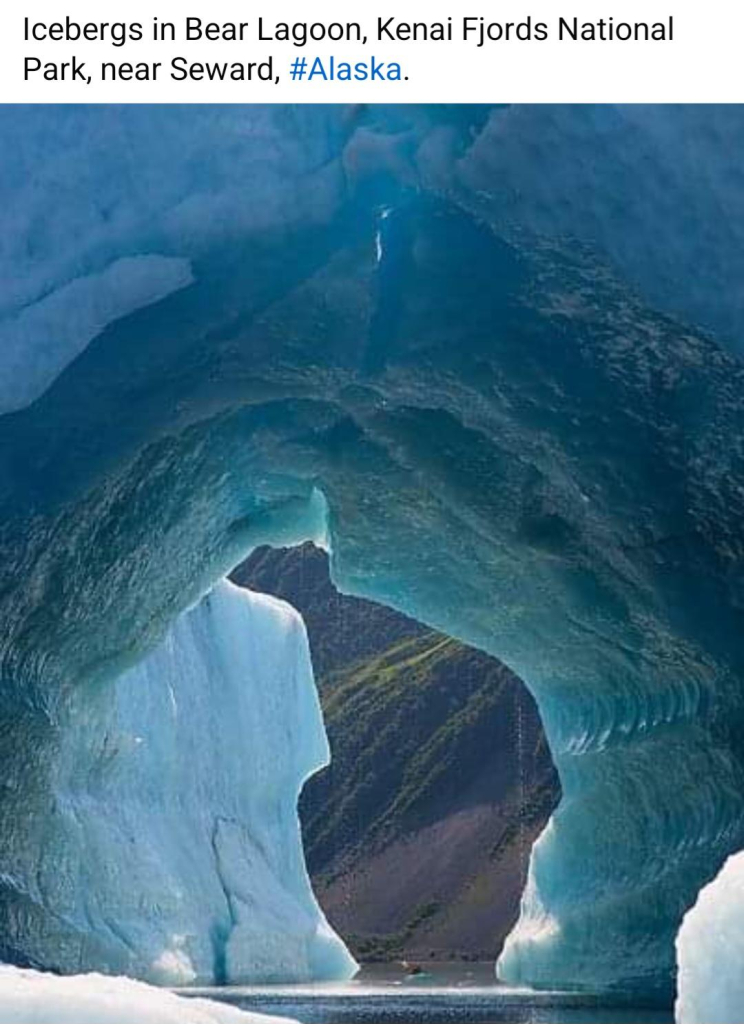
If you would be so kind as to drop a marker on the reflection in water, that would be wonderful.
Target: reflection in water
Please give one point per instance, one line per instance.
(451, 993)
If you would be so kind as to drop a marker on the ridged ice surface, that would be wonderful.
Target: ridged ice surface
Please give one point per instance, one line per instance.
(493, 357)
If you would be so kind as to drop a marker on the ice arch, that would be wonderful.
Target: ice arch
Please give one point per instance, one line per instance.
(511, 440)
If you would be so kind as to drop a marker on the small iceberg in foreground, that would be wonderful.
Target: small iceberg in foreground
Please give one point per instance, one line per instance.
(710, 952)
(32, 997)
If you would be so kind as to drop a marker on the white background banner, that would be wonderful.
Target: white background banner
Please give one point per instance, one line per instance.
(228, 51)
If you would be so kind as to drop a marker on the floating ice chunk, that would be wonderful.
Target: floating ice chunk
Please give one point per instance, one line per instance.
(31, 997)
(37, 343)
(710, 952)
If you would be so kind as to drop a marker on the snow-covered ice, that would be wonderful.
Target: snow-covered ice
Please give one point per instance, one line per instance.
(173, 852)
(32, 997)
(710, 952)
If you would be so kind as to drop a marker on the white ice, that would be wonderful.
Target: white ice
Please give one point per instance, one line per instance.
(710, 952)
(31, 997)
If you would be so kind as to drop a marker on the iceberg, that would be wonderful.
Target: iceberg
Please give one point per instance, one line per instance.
(510, 402)
(32, 997)
(710, 985)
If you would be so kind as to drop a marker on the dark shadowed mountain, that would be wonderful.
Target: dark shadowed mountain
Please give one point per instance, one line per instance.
(418, 834)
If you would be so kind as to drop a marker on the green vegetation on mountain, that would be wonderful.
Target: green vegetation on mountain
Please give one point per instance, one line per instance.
(417, 835)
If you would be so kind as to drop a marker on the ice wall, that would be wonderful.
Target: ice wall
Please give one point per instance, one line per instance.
(171, 847)
(498, 403)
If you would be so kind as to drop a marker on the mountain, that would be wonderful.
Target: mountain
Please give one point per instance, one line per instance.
(418, 835)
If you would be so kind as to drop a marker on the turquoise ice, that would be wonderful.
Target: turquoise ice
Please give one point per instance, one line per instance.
(490, 358)
(175, 801)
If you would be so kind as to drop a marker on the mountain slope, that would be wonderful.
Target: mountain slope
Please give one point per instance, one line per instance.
(418, 834)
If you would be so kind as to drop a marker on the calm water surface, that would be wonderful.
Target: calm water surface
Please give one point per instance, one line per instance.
(447, 994)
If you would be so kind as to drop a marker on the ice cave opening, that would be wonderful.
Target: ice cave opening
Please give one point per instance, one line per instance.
(417, 835)
(392, 333)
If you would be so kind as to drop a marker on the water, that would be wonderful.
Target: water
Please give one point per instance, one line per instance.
(447, 994)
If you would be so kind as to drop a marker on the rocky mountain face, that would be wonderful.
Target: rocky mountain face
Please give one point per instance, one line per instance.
(418, 834)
